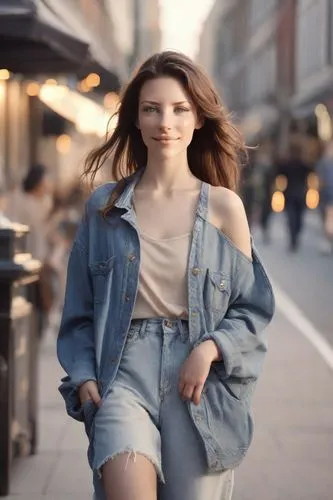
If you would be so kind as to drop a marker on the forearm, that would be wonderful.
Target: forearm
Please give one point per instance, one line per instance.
(212, 350)
(242, 347)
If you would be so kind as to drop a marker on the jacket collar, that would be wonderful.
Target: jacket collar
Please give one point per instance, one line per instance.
(125, 199)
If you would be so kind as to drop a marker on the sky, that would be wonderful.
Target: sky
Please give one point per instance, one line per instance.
(181, 22)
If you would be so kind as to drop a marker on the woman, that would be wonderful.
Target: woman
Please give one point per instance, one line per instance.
(162, 330)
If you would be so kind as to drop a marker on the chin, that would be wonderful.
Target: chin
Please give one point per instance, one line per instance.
(166, 153)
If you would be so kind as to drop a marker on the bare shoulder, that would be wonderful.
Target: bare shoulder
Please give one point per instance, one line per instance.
(228, 214)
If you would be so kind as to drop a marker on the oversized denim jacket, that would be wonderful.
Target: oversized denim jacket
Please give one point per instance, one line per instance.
(230, 300)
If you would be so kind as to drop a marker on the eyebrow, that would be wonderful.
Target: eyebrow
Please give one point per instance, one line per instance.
(174, 103)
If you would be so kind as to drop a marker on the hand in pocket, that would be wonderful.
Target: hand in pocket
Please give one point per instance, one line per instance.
(89, 391)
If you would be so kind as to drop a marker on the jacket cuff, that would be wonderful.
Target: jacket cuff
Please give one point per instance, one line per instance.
(70, 393)
(81, 372)
(230, 354)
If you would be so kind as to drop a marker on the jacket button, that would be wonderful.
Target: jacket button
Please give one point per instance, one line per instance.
(195, 271)
(131, 257)
(222, 285)
(127, 298)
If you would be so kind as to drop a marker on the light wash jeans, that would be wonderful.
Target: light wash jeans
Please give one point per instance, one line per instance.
(143, 413)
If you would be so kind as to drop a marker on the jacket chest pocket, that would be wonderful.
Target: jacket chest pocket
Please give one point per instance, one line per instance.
(216, 292)
(101, 273)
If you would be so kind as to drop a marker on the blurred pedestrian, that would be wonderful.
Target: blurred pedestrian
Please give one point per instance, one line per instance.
(296, 171)
(62, 223)
(324, 170)
(166, 302)
(31, 206)
(265, 174)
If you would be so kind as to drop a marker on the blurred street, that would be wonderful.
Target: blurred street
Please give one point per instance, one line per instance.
(307, 275)
(63, 66)
(292, 453)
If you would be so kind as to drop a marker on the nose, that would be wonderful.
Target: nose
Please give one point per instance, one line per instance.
(165, 120)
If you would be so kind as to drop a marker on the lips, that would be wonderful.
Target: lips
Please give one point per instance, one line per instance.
(164, 139)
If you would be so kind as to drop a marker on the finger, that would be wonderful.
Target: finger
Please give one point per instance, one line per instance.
(84, 396)
(187, 392)
(181, 386)
(94, 395)
(197, 394)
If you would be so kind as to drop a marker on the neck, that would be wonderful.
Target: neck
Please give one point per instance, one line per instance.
(168, 175)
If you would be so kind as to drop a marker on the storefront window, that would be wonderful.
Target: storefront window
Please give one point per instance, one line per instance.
(260, 10)
(312, 42)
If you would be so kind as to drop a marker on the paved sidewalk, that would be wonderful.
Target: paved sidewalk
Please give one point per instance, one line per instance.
(292, 453)
(60, 470)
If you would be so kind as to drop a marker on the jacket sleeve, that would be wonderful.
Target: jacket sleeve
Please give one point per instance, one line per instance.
(241, 336)
(75, 344)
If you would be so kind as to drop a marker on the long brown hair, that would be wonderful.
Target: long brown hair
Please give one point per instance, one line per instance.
(215, 150)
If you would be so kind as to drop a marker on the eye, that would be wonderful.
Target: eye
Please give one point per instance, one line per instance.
(149, 109)
(180, 110)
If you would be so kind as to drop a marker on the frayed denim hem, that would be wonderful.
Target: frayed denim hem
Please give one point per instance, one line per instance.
(131, 453)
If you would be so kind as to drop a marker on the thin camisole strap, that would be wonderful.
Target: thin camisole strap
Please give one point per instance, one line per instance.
(203, 201)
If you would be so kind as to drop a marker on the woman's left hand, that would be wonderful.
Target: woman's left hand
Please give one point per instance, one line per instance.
(195, 370)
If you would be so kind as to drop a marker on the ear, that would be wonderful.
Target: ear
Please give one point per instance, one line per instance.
(200, 123)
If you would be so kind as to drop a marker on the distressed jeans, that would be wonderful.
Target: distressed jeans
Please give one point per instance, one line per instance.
(143, 413)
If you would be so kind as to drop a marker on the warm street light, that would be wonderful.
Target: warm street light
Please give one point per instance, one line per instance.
(111, 100)
(63, 144)
(281, 183)
(4, 74)
(312, 199)
(278, 202)
(83, 86)
(93, 80)
(324, 122)
(88, 116)
(33, 89)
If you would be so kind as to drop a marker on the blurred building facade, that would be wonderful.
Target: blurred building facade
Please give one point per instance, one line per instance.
(244, 66)
(147, 31)
(59, 43)
(124, 26)
(272, 62)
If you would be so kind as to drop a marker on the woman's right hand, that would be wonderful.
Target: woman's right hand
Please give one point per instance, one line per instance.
(89, 391)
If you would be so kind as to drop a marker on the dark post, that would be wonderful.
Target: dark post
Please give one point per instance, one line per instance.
(19, 275)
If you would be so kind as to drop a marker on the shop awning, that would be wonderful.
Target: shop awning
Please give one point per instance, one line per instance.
(36, 36)
(33, 39)
(99, 59)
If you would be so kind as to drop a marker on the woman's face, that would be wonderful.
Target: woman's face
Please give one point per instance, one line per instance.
(166, 117)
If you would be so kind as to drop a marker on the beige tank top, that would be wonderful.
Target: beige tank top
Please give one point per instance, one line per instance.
(162, 289)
